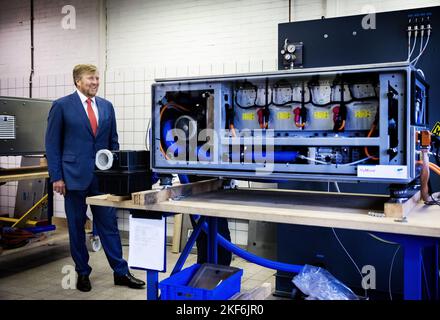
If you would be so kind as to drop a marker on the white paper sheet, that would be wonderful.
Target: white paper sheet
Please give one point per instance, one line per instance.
(147, 243)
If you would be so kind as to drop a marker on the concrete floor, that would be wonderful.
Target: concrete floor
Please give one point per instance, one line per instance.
(36, 274)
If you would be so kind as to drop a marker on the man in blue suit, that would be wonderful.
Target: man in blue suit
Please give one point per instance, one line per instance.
(79, 125)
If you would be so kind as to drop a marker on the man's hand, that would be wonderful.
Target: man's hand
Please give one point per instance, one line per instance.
(60, 187)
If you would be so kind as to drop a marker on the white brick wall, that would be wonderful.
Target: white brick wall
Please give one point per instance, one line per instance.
(14, 38)
(146, 40)
(8, 191)
(56, 49)
(308, 10)
(193, 36)
(192, 32)
(347, 7)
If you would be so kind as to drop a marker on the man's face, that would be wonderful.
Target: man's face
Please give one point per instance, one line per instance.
(88, 84)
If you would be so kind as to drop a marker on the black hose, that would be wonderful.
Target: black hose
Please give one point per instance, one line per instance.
(246, 85)
(32, 48)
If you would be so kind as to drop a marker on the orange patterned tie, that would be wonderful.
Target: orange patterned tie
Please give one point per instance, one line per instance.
(92, 116)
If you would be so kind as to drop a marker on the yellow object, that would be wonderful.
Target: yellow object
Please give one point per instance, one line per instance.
(436, 129)
(30, 214)
(321, 115)
(31, 223)
(248, 116)
(283, 115)
(362, 114)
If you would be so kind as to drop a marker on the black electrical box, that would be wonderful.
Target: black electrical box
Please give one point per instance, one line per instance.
(130, 172)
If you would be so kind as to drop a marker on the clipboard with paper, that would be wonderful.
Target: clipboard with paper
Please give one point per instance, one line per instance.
(147, 241)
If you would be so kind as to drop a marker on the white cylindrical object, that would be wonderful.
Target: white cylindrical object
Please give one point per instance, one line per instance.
(104, 159)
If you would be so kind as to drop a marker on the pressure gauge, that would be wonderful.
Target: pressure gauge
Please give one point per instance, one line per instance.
(287, 56)
(283, 51)
(291, 48)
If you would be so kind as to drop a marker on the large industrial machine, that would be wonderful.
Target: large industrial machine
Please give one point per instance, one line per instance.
(406, 35)
(348, 104)
(23, 125)
(357, 123)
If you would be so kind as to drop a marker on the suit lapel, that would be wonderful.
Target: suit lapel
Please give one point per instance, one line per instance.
(80, 109)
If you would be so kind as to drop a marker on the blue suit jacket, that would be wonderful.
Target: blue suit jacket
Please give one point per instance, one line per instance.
(70, 144)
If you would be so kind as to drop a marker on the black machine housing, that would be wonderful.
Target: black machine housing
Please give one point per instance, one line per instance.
(129, 173)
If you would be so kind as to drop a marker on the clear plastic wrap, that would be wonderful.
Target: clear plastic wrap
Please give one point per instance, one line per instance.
(319, 284)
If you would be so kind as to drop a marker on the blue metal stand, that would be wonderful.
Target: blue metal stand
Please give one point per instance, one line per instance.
(412, 247)
(192, 239)
(152, 276)
(210, 228)
(212, 240)
(94, 228)
(412, 262)
(152, 284)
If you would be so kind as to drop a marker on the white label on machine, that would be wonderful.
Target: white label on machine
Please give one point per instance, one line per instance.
(7, 127)
(382, 171)
(147, 243)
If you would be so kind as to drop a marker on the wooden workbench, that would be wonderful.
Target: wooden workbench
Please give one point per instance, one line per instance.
(16, 174)
(337, 210)
(419, 229)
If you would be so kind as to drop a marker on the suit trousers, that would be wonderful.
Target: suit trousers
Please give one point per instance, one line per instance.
(106, 224)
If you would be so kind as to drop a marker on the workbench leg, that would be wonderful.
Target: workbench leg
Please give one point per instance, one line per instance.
(412, 262)
(212, 240)
(50, 201)
(94, 229)
(189, 244)
(412, 271)
(152, 284)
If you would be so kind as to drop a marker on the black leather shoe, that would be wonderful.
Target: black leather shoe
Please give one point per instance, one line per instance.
(129, 281)
(83, 283)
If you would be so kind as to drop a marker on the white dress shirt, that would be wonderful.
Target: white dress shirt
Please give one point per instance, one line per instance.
(84, 102)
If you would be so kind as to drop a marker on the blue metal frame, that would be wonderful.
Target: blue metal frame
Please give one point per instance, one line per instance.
(412, 247)
(209, 226)
(412, 262)
(152, 284)
(153, 275)
(94, 229)
(190, 243)
(212, 240)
